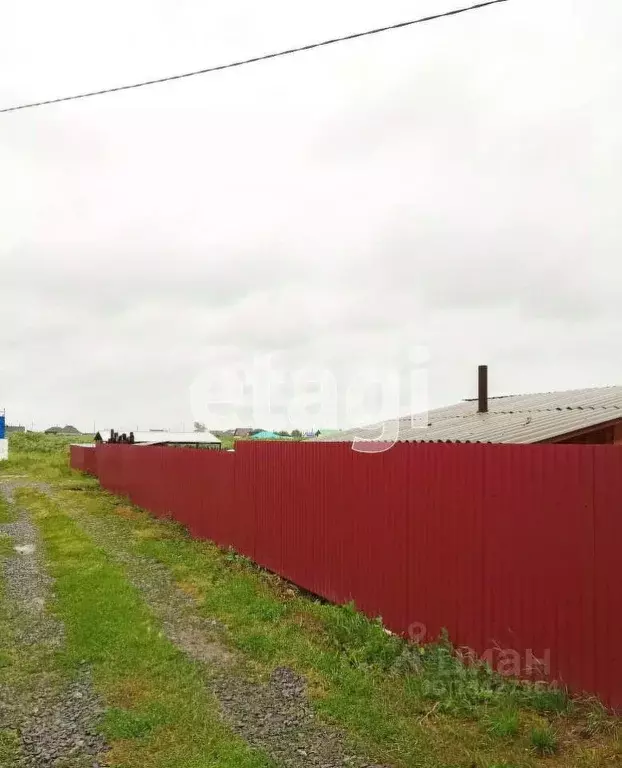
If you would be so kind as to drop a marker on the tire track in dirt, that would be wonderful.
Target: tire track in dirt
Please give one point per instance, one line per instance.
(277, 716)
(54, 720)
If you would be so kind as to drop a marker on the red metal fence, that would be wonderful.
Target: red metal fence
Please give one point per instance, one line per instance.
(514, 547)
(84, 458)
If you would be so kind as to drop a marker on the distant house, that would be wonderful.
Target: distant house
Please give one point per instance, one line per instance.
(66, 430)
(243, 432)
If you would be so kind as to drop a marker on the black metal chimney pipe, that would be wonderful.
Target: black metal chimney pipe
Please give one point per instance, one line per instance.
(482, 389)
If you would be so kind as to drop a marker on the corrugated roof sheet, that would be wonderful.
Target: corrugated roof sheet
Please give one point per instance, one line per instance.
(530, 418)
(180, 438)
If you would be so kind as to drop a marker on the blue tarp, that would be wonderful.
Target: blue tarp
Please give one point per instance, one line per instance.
(266, 436)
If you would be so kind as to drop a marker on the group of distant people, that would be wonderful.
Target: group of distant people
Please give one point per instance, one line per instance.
(115, 437)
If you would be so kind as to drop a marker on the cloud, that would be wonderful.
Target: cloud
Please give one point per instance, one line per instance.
(454, 186)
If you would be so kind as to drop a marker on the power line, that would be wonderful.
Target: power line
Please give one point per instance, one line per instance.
(255, 59)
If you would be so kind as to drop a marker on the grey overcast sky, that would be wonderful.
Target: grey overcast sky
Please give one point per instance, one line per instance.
(456, 185)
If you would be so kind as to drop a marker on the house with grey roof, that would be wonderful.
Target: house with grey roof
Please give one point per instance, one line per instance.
(589, 416)
(244, 431)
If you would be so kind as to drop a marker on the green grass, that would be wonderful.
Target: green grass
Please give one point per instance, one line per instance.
(42, 456)
(550, 700)
(7, 513)
(227, 442)
(503, 724)
(9, 748)
(6, 545)
(161, 715)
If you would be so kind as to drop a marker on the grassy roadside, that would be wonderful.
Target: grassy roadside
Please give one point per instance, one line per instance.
(407, 707)
(160, 713)
(43, 457)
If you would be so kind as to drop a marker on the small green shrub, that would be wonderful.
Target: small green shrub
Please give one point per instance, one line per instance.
(365, 642)
(439, 674)
(548, 700)
(503, 724)
(544, 741)
(125, 724)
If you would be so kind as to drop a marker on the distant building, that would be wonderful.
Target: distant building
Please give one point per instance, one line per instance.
(243, 432)
(13, 428)
(4, 443)
(197, 439)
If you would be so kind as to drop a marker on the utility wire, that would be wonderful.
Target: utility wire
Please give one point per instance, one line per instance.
(255, 59)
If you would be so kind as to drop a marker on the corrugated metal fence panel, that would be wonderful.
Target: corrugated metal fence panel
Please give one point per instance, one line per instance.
(83, 458)
(444, 535)
(210, 494)
(375, 491)
(510, 547)
(243, 526)
(76, 457)
(271, 487)
(538, 554)
(607, 544)
(90, 461)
